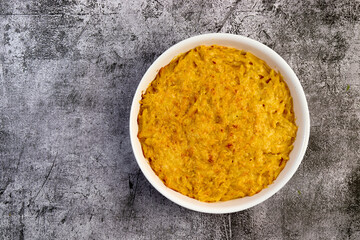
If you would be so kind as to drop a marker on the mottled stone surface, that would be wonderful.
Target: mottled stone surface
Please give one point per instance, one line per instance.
(68, 71)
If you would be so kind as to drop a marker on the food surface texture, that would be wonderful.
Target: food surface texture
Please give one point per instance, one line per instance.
(217, 123)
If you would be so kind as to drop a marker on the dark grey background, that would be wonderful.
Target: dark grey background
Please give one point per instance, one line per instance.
(68, 71)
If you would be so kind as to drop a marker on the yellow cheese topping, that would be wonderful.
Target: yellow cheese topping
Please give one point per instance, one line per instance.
(217, 123)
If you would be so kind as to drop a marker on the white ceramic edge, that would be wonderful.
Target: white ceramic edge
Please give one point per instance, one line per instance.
(300, 144)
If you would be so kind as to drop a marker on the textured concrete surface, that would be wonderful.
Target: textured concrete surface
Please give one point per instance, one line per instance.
(68, 71)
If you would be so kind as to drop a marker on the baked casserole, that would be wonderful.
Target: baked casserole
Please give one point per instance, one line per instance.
(217, 123)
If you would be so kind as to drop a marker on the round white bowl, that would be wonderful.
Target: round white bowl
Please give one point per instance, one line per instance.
(300, 108)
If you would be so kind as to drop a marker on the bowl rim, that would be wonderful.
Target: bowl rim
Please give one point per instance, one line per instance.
(218, 207)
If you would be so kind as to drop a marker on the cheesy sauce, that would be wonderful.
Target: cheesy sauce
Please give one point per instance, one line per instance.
(217, 123)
